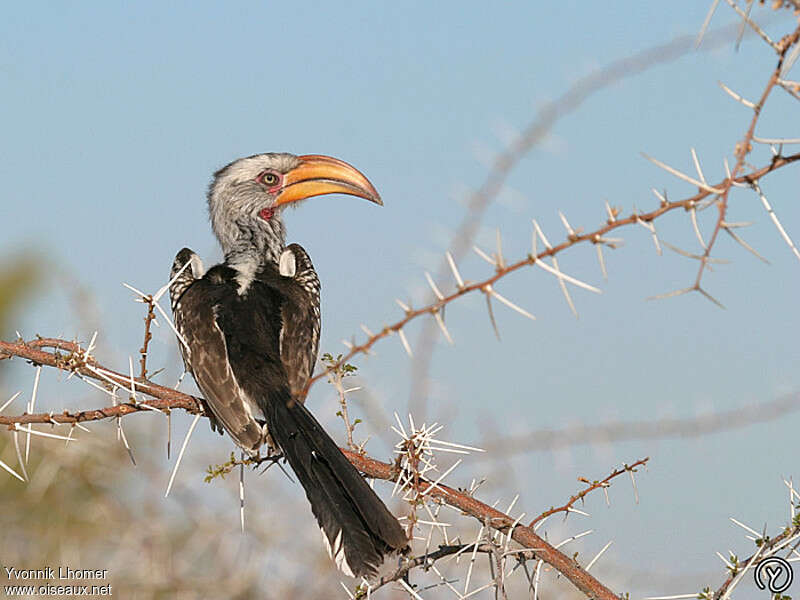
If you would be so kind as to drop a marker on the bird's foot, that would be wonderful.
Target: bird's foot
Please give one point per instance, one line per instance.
(272, 457)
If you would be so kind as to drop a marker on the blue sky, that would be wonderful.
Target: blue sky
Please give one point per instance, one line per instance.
(115, 115)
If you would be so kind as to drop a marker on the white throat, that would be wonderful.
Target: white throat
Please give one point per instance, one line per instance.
(246, 267)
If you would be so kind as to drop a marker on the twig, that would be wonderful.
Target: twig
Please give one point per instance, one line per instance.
(594, 485)
(147, 336)
(169, 398)
(776, 163)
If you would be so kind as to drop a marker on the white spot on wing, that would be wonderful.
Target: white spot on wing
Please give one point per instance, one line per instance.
(287, 265)
(197, 266)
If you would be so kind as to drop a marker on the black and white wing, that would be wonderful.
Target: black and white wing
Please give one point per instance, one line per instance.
(300, 314)
(195, 306)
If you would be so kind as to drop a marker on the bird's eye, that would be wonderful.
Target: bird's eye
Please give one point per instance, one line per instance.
(269, 178)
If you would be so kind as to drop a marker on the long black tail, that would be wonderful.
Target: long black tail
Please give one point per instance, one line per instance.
(356, 525)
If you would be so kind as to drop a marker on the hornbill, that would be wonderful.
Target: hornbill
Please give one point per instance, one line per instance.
(249, 334)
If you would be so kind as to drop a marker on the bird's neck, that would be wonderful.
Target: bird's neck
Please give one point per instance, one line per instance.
(254, 244)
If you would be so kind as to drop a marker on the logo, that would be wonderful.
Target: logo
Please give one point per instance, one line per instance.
(774, 574)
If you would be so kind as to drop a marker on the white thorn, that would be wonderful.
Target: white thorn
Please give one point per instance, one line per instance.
(693, 214)
(683, 176)
(601, 260)
(9, 401)
(30, 431)
(567, 226)
(133, 382)
(706, 23)
(761, 140)
(347, 591)
(775, 220)
(789, 61)
(725, 561)
(12, 471)
(652, 229)
(441, 477)
(501, 263)
(541, 234)
(574, 537)
(440, 321)
(746, 246)
(697, 166)
(745, 527)
(484, 256)
(409, 590)
(166, 287)
(19, 454)
(121, 435)
(456, 274)
(435, 289)
(671, 294)
(472, 558)
(706, 259)
(598, 555)
(491, 315)
(87, 353)
(31, 405)
(633, 483)
(563, 276)
(180, 454)
(241, 490)
(509, 304)
(139, 293)
(403, 305)
(736, 96)
(405, 343)
(610, 212)
(171, 324)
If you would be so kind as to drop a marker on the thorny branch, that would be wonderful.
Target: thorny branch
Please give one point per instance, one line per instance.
(70, 357)
(766, 547)
(426, 560)
(594, 237)
(498, 521)
(336, 375)
(742, 149)
(592, 485)
(148, 320)
(536, 131)
(508, 159)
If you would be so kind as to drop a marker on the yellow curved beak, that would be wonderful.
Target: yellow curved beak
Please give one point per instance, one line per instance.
(317, 175)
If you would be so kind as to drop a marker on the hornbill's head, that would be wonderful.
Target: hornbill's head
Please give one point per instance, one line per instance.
(246, 197)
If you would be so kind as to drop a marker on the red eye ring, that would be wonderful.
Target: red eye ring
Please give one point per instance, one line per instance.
(269, 179)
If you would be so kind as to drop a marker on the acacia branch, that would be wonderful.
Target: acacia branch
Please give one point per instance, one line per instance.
(70, 357)
(743, 148)
(593, 237)
(537, 130)
(766, 547)
(593, 485)
(498, 521)
(426, 560)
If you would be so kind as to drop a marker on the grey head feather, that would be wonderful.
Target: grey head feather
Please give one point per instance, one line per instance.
(235, 199)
